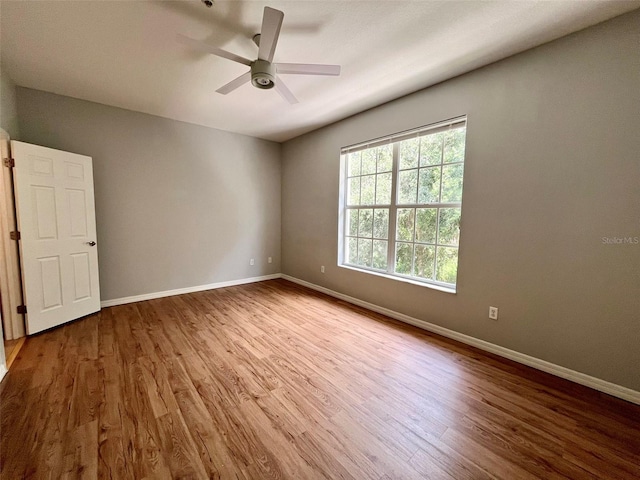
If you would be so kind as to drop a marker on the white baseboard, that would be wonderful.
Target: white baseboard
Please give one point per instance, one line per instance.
(566, 373)
(181, 291)
(3, 371)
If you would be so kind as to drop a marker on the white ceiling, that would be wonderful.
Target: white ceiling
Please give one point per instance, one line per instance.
(125, 53)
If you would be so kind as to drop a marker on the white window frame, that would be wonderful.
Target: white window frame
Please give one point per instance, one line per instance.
(393, 207)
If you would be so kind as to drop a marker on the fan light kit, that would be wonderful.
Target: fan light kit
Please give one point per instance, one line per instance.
(264, 73)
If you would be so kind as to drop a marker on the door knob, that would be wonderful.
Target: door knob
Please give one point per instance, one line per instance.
(91, 243)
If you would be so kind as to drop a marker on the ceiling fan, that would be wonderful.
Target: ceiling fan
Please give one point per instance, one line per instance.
(264, 73)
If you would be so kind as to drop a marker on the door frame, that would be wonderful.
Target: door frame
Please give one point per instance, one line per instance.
(10, 273)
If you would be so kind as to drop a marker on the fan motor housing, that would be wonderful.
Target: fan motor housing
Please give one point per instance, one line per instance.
(263, 74)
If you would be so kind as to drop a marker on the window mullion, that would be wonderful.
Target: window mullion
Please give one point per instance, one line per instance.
(392, 209)
(375, 180)
(441, 168)
(345, 231)
(435, 249)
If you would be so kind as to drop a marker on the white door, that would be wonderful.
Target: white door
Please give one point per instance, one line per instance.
(57, 224)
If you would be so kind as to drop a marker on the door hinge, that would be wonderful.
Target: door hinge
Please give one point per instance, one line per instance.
(22, 309)
(9, 162)
(14, 235)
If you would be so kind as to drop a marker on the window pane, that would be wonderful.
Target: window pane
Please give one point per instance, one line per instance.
(426, 225)
(366, 222)
(352, 222)
(452, 183)
(429, 185)
(447, 264)
(368, 194)
(354, 164)
(352, 250)
(383, 189)
(449, 226)
(380, 254)
(364, 252)
(454, 145)
(424, 261)
(404, 253)
(431, 149)
(404, 224)
(353, 193)
(369, 161)
(381, 223)
(385, 158)
(408, 186)
(409, 153)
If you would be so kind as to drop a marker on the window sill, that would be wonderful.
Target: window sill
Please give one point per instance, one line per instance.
(433, 286)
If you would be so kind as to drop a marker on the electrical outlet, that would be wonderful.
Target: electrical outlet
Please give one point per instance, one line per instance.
(322, 269)
(493, 313)
(252, 262)
(270, 260)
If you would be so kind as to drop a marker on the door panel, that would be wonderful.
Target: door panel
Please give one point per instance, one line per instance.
(50, 282)
(75, 171)
(77, 212)
(44, 205)
(56, 219)
(42, 167)
(81, 276)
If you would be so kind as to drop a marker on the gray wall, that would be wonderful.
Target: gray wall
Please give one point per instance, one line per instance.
(553, 165)
(177, 205)
(8, 110)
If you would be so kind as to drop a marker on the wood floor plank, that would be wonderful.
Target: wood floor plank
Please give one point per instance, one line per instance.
(273, 380)
(85, 399)
(486, 457)
(276, 442)
(178, 448)
(245, 446)
(80, 455)
(112, 456)
(322, 460)
(438, 454)
(143, 434)
(211, 447)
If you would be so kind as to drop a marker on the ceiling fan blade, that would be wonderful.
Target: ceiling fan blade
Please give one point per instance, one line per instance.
(204, 47)
(233, 84)
(271, 24)
(285, 92)
(307, 69)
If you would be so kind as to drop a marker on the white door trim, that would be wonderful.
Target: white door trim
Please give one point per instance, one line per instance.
(10, 281)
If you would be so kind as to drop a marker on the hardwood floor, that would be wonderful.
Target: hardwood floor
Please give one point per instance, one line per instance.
(272, 380)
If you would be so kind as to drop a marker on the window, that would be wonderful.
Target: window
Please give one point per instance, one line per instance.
(401, 203)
